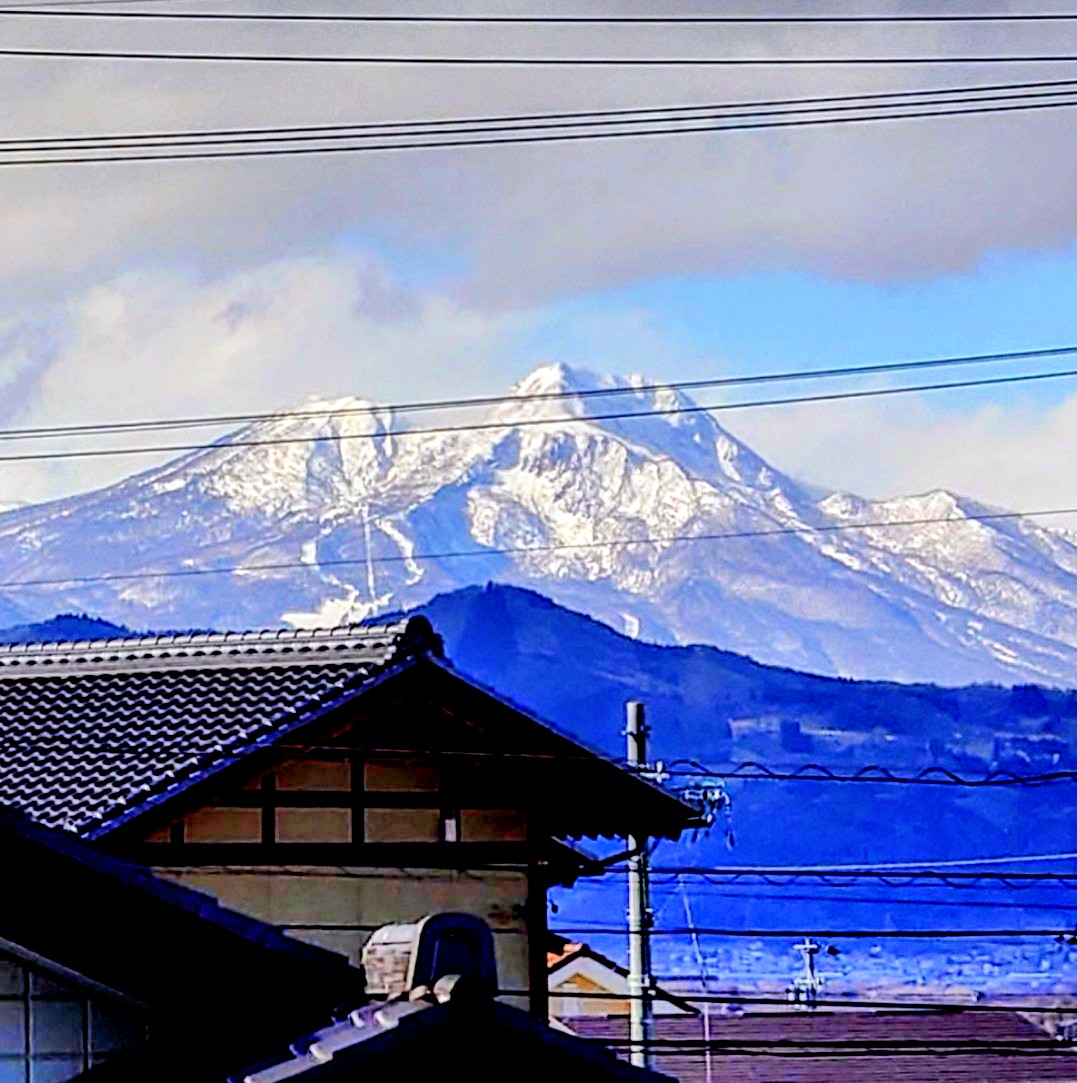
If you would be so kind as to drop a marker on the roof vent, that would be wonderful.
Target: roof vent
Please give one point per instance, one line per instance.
(399, 958)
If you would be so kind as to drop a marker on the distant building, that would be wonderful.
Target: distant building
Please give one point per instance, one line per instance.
(1029, 752)
(327, 782)
(583, 981)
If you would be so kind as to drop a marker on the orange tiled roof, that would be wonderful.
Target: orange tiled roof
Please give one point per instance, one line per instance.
(553, 958)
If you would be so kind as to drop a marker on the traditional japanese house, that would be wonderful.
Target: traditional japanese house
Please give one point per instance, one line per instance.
(326, 782)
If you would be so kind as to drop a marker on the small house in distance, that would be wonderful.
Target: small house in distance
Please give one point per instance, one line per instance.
(326, 782)
(585, 982)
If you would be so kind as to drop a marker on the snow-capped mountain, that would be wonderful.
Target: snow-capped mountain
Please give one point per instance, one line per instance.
(377, 520)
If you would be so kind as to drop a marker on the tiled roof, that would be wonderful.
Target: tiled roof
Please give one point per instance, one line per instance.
(411, 1038)
(91, 730)
(559, 953)
(1024, 1051)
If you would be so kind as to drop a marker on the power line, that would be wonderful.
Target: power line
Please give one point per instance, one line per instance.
(814, 772)
(483, 125)
(542, 396)
(987, 882)
(961, 881)
(954, 863)
(510, 140)
(284, 565)
(111, 427)
(37, 4)
(736, 932)
(864, 1004)
(937, 1051)
(702, 891)
(926, 879)
(410, 60)
(612, 114)
(45, 10)
(924, 871)
(8, 739)
(820, 774)
(539, 422)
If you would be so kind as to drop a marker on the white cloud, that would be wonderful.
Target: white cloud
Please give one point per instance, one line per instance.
(881, 202)
(1013, 455)
(167, 343)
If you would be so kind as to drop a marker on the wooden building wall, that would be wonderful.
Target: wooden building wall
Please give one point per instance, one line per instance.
(332, 848)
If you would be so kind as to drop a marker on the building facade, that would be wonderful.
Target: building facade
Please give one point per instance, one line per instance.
(326, 782)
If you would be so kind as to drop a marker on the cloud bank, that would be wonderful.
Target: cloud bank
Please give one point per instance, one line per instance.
(882, 202)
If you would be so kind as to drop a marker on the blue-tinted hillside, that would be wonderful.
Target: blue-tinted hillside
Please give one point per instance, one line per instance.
(721, 708)
(65, 627)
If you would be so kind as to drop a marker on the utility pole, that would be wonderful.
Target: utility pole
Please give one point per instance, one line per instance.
(640, 914)
(804, 992)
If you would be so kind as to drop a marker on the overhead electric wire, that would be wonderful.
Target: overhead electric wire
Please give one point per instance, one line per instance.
(956, 881)
(947, 863)
(925, 871)
(481, 126)
(226, 443)
(823, 933)
(451, 554)
(960, 881)
(510, 60)
(964, 881)
(902, 881)
(687, 19)
(508, 140)
(702, 892)
(865, 1004)
(814, 772)
(10, 739)
(794, 375)
(35, 4)
(642, 111)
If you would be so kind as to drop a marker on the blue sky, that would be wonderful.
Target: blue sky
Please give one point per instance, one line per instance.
(774, 320)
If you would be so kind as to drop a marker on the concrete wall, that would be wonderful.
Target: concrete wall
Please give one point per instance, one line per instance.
(367, 898)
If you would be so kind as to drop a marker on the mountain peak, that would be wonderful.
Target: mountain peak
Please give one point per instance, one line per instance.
(327, 514)
(318, 418)
(557, 378)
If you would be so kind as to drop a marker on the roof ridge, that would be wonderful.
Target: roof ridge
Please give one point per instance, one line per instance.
(406, 636)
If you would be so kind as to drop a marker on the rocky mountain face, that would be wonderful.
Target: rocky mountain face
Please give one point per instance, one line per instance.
(347, 514)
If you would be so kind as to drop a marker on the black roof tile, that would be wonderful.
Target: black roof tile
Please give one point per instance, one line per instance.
(89, 731)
